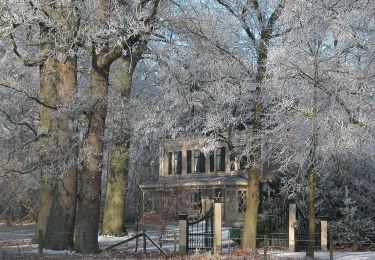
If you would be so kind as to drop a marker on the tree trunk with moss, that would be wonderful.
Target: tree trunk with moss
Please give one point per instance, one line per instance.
(311, 185)
(47, 96)
(87, 221)
(311, 162)
(114, 209)
(60, 229)
(254, 173)
(113, 222)
(252, 204)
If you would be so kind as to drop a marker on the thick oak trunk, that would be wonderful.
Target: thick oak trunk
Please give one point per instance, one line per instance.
(252, 204)
(254, 174)
(60, 228)
(47, 95)
(114, 210)
(87, 221)
(113, 222)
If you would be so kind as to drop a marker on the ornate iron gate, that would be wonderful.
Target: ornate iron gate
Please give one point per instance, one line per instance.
(275, 226)
(200, 233)
(302, 232)
(278, 228)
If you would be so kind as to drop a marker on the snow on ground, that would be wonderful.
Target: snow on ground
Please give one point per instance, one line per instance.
(325, 255)
(17, 239)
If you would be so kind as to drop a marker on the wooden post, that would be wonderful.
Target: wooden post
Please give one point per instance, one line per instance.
(83, 242)
(291, 226)
(228, 241)
(40, 242)
(137, 229)
(323, 234)
(144, 241)
(174, 244)
(330, 246)
(265, 246)
(183, 228)
(214, 242)
(217, 223)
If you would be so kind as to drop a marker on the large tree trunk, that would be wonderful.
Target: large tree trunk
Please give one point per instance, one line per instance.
(311, 165)
(113, 222)
(114, 210)
(311, 185)
(254, 174)
(47, 95)
(87, 221)
(60, 229)
(252, 204)
(311, 236)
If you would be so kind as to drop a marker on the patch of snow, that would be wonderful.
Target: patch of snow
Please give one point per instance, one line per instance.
(325, 255)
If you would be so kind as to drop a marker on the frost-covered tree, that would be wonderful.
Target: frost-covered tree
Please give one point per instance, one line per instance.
(108, 29)
(320, 97)
(220, 65)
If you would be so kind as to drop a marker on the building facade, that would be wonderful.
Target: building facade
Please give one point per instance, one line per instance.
(190, 179)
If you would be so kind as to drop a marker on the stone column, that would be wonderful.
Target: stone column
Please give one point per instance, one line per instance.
(161, 160)
(183, 226)
(236, 164)
(323, 234)
(184, 160)
(217, 223)
(291, 227)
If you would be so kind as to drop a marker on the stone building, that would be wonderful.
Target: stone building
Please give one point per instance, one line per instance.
(192, 179)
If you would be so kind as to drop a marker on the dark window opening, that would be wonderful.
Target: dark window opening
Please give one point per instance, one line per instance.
(212, 162)
(202, 163)
(188, 159)
(178, 162)
(199, 162)
(169, 163)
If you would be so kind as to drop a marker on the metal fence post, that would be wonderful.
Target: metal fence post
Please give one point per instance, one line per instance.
(144, 241)
(265, 246)
(40, 242)
(174, 243)
(330, 246)
(83, 242)
(228, 241)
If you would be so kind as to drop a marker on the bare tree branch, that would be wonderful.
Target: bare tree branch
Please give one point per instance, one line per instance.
(37, 100)
(19, 123)
(241, 18)
(27, 62)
